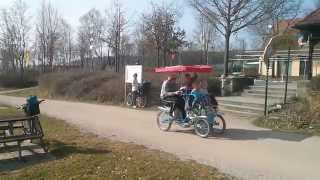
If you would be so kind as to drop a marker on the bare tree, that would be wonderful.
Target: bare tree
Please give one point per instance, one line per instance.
(91, 35)
(232, 16)
(204, 36)
(15, 35)
(126, 48)
(116, 26)
(279, 22)
(65, 43)
(83, 46)
(7, 43)
(47, 34)
(161, 29)
(140, 45)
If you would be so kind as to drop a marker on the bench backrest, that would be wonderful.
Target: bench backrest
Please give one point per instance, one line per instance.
(20, 127)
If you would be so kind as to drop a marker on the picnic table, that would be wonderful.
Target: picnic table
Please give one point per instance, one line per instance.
(21, 129)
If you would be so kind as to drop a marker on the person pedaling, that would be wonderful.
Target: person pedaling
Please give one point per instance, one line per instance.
(192, 86)
(191, 105)
(170, 92)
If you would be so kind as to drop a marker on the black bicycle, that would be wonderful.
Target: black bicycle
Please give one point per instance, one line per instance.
(141, 96)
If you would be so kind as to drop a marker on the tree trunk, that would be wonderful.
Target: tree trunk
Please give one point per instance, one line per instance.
(158, 57)
(164, 57)
(91, 58)
(202, 55)
(109, 63)
(226, 53)
(206, 51)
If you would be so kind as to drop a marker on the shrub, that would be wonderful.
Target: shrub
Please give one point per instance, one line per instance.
(15, 80)
(214, 86)
(102, 86)
(315, 83)
(303, 116)
(99, 86)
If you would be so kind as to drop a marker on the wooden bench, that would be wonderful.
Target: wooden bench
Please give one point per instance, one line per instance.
(21, 129)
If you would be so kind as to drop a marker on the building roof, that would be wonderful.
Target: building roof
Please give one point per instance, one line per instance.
(286, 26)
(310, 21)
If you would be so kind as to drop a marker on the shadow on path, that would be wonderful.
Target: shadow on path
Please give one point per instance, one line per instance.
(247, 134)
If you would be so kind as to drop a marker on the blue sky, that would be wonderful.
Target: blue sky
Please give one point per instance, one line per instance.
(71, 10)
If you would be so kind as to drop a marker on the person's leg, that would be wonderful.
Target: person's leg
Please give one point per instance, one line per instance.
(172, 99)
(213, 101)
(180, 104)
(134, 98)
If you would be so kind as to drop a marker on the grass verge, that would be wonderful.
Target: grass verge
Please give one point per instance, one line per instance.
(282, 125)
(301, 116)
(86, 156)
(24, 92)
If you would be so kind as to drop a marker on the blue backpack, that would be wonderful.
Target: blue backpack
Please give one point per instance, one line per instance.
(32, 106)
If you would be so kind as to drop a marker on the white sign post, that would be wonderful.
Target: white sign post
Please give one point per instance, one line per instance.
(129, 72)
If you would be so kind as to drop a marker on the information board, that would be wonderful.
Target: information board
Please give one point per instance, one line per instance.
(131, 70)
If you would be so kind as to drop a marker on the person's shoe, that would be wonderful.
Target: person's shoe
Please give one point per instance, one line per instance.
(134, 107)
(186, 125)
(183, 124)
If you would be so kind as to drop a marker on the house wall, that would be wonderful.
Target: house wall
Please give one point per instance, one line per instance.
(295, 68)
(263, 69)
(316, 68)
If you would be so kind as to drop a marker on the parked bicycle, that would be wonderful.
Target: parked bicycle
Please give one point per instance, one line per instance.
(141, 96)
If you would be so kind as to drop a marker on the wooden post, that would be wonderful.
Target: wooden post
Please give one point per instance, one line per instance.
(287, 76)
(310, 59)
(19, 151)
(266, 90)
(125, 85)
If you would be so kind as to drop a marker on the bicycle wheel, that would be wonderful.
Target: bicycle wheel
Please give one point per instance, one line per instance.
(130, 100)
(142, 101)
(219, 125)
(164, 121)
(202, 127)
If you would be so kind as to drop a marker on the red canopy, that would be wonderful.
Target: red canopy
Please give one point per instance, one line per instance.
(184, 69)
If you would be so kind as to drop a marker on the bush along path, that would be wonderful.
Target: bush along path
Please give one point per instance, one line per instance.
(301, 115)
(245, 151)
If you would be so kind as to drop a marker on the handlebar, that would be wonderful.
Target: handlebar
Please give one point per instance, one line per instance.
(24, 105)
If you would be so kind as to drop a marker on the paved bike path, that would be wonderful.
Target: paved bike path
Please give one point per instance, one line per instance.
(244, 151)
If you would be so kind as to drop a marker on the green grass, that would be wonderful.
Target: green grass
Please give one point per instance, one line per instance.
(86, 156)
